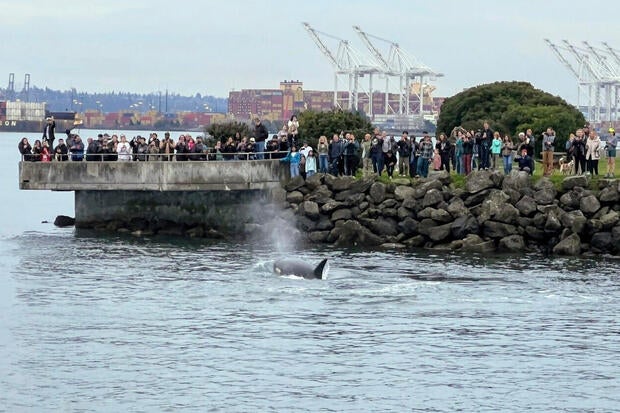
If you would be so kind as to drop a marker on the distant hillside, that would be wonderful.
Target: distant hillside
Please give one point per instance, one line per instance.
(61, 100)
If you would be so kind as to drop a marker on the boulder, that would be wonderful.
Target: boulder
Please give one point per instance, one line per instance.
(610, 219)
(439, 233)
(310, 209)
(321, 195)
(354, 233)
(457, 208)
(464, 226)
(295, 183)
(390, 212)
(570, 199)
(526, 206)
(324, 224)
(331, 206)
(477, 198)
(383, 226)
(603, 242)
(497, 208)
(411, 204)
(341, 183)
(568, 219)
(511, 243)
(478, 181)
(414, 242)
(377, 192)
(571, 182)
(473, 243)
(425, 226)
(589, 204)
(401, 181)
(362, 185)
(609, 194)
(432, 198)
(403, 213)
(63, 221)
(314, 181)
(535, 233)
(199, 231)
(341, 214)
(404, 192)
(517, 180)
(306, 224)
(388, 203)
(494, 229)
(553, 223)
(408, 226)
(426, 213)
(318, 236)
(425, 186)
(615, 235)
(570, 245)
(545, 196)
(514, 195)
(441, 215)
(294, 197)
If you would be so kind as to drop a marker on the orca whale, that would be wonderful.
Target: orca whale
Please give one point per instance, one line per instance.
(299, 268)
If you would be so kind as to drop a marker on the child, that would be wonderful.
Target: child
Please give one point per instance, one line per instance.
(311, 162)
(294, 158)
(436, 160)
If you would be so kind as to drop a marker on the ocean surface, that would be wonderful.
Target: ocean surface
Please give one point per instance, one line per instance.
(104, 323)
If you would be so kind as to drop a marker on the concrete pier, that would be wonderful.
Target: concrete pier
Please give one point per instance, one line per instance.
(171, 197)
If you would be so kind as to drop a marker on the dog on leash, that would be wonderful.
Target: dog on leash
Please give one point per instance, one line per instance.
(566, 168)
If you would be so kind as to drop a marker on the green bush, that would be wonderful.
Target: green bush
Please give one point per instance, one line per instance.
(313, 124)
(510, 107)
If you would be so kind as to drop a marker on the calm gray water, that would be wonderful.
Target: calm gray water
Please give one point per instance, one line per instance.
(104, 323)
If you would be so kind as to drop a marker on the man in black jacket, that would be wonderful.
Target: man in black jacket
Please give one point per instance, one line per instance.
(48, 131)
(260, 136)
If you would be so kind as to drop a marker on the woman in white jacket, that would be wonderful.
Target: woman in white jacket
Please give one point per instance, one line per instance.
(123, 149)
(593, 153)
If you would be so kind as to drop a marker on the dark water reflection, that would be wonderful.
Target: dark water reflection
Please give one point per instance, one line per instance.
(117, 324)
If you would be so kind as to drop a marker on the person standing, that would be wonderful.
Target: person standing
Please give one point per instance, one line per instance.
(496, 149)
(547, 151)
(458, 153)
(376, 154)
(444, 149)
(61, 151)
(323, 149)
(486, 139)
(260, 136)
(123, 149)
(468, 151)
(532, 140)
(593, 152)
(310, 164)
(336, 148)
(293, 158)
(366, 160)
(610, 148)
(293, 131)
(578, 151)
(349, 154)
(507, 148)
(404, 152)
(49, 131)
(413, 158)
(426, 156)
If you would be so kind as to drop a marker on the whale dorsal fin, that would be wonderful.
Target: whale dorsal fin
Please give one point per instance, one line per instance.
(320, 271)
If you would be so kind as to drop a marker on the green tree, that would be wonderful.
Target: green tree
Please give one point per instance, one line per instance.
(313, 124)
(510, 107)
(224, 130)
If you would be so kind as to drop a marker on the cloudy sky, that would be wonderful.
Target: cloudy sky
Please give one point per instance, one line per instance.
(212, 47)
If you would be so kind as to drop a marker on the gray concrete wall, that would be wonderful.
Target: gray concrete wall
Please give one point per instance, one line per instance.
(152, 176)
(226, 211)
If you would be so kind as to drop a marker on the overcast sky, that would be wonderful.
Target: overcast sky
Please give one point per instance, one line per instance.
(212, 47)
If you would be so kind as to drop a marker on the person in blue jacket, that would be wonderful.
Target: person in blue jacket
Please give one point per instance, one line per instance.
(293, 157)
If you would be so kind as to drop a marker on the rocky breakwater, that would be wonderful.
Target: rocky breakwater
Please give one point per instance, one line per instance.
(491, 213)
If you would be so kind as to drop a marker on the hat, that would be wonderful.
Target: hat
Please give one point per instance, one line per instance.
(611, 130)
(252, 140)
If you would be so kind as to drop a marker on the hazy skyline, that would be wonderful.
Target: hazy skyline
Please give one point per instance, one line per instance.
(214, 47)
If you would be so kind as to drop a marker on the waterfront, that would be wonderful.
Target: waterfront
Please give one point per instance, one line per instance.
(106, 323)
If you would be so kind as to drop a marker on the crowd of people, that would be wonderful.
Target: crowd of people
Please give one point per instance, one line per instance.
(462, 151)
